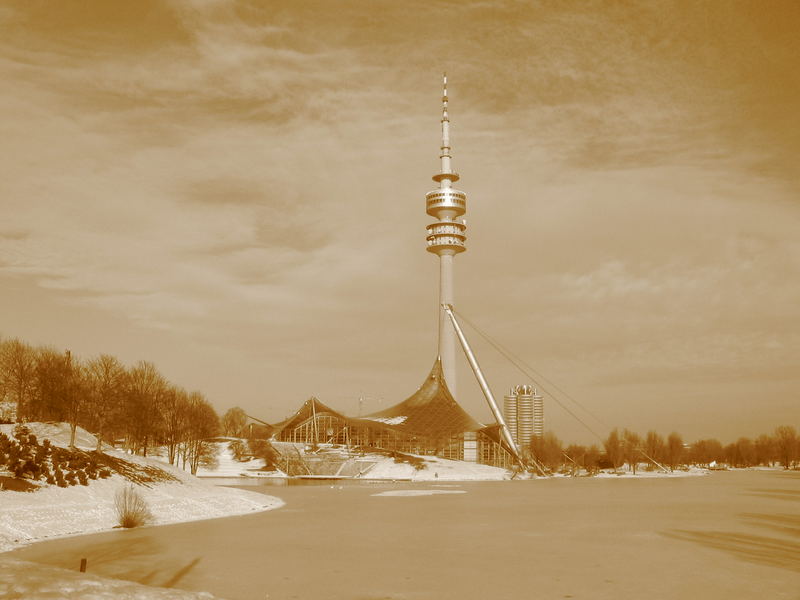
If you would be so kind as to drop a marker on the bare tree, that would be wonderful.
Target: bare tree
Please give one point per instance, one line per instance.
(144, 419)
(591, 459)
(576, 455)
(177, 413)
(765, 450)
(18, 375)
(75, 394)
(787, 445)
(705, 452)
(47, 404)
(203, 423)
(233, 422)
(613, 448)
(548, 451)
(674, 450)
(741, 453)
(631, 449)
(106, 382)
(654, 447)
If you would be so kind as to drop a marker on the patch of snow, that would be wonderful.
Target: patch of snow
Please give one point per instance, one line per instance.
(691, 472)
(419, 492)
(277, 474)
(388, 420)
(435, 469)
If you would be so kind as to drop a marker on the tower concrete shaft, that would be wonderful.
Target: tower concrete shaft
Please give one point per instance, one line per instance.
(446, 238)
(447, 337)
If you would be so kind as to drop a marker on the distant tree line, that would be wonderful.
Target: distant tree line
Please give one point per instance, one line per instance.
(134, 404)
(782, 447)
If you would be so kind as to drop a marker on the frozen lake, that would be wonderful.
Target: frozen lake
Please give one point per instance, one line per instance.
(729, 535)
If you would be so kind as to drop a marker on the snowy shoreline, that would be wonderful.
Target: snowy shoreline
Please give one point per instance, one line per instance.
(54, 512)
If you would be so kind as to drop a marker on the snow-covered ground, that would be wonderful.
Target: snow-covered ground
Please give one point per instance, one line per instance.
(339, 461)
(414, 493)
(435, 469)
(227, 465)
(642, 474)
(344, 463)
(52, 511)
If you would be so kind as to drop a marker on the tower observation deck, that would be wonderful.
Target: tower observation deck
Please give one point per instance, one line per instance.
(446, 238)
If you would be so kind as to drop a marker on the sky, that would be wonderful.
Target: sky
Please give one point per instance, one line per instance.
(235, 191)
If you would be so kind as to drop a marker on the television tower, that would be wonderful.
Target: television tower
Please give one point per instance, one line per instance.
(446, 239)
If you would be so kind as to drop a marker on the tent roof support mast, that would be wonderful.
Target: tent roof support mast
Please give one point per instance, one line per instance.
(473, 362)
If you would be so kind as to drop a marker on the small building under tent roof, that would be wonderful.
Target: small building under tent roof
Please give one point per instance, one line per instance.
(429, 422)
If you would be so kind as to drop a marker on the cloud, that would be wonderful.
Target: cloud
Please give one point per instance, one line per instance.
(249, 182)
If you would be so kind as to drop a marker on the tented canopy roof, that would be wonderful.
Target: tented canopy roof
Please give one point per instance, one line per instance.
(431, 411)
(310, 407)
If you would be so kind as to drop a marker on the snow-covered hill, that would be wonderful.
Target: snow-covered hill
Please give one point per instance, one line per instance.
(52, 511)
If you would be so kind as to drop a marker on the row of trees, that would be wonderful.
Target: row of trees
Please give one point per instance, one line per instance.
(656, 452)
(136, 404)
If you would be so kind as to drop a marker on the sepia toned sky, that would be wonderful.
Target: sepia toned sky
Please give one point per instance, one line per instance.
(235, 191)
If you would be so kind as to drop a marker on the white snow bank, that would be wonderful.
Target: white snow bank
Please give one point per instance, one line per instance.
(436, 469)
(52, 511)
(692, 472)
(388, 420)
(33, 581)
(57, 433)
(419, 492)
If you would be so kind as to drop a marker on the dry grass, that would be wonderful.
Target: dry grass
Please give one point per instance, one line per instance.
(132, 471)
(132, 510)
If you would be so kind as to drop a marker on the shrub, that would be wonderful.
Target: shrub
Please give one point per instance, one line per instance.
(238, 449)
(82, 479)
(32, 468)
(21, 431)
(131, 508)
(105, 473)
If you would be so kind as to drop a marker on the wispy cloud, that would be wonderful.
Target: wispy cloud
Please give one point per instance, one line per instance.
(249, 180)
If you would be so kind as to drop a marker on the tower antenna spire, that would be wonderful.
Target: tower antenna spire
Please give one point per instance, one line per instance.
(444, 97)
(445, 155)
